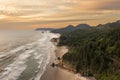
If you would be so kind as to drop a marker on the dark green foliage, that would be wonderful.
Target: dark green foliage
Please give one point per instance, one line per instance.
(94, 52)
(71, 28)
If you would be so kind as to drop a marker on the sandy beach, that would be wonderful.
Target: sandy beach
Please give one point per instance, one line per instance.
(57, 73)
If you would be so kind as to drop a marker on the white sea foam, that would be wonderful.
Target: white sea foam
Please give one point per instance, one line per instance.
(49, 49)
(13, 71)
(2, 55)
(40, 50)
(17, 49)
(37, 56)
(40, 62)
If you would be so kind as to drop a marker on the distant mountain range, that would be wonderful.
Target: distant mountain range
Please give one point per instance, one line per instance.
(45, 29)
(71, 28)
(86, 26)
(93, 51)
(109, 25)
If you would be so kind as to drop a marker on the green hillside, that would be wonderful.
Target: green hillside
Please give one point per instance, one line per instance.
(94, 52)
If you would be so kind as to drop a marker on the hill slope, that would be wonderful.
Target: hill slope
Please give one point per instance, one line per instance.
(94, 52)
(71, 28)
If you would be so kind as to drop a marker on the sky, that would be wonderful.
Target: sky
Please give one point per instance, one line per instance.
(30, 14)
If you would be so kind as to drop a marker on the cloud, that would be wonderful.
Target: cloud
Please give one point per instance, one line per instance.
(41, 23)
(109, 5)
(2, 16)
(54, 11)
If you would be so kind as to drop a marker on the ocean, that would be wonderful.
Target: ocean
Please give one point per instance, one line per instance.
(24, 54)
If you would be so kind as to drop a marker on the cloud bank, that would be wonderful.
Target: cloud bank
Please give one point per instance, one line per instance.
(45, 12)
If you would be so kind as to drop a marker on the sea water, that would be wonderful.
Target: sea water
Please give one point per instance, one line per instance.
(24, 55)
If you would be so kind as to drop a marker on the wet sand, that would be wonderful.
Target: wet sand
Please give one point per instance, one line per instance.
(57, 73)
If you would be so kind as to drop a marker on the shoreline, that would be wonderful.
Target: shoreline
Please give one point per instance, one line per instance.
(59, 72)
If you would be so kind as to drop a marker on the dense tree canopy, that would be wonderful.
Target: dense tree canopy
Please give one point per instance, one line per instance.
(94, 52)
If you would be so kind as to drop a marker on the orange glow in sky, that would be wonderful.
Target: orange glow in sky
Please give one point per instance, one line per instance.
(29, 14)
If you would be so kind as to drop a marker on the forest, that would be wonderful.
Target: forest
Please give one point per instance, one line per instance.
(93, 52)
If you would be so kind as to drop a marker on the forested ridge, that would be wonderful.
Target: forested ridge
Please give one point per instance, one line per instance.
(94, 52)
